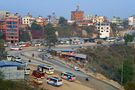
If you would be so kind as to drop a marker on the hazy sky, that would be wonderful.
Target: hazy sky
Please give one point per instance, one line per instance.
(109, 8)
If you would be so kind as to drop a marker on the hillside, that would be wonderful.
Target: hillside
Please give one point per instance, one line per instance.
(112, 61)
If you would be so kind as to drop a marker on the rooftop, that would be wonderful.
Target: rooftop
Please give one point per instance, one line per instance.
(4, 63)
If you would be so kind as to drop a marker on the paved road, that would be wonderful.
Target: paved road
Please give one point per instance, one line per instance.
(99, 85)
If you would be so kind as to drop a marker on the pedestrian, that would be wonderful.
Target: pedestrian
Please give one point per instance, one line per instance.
(29, 60)
(32, 54)
(87, 79)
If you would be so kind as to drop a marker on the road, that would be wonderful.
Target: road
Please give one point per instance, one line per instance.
(97, 84)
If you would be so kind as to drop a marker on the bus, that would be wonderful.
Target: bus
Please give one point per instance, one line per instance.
(45, 69)
(68, 76)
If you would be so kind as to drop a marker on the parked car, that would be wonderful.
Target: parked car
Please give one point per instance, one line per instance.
(38, 74)
(68, 76)
(16, 48)
(27, 71)
(37, 44)
(40, 50)
(76, 68)
(48, 56)
(38, 81)
(18, 59)
(55, 81)
(111, 39)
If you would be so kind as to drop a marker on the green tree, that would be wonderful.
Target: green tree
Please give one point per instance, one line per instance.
(50, 35)
(128, 38)
(3, 53)
(128, 71)
(64, 31)
(1, 34)
(62, 21)
(35, 26)
(24, 36)
(130, 86)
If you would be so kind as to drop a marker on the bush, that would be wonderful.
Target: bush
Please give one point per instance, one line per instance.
(130, 86)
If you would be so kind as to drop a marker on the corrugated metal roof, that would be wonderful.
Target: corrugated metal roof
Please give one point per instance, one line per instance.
(81, 56)
(64, 50)
(9, 64)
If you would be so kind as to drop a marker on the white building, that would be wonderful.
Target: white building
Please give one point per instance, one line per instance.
(104, 29)
(116, 20)
(27, 20)
(131, 21)
(12, 70)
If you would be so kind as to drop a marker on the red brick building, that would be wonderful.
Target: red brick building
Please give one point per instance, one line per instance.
(10, 27)
(77, 15)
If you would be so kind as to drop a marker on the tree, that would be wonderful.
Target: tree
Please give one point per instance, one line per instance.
(50, 35)
(130, 86)
(1, 34)
(128, 71)
(128, 38)
(62, 21)
(64, 31)
(35, 26)
(3, 53)
(24, 36)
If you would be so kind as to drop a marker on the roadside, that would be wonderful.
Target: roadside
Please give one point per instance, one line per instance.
(96, 76)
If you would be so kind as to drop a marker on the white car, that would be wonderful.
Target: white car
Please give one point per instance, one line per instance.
(40, 50)
(55, 81)
(49, 56)
(38, 81)
(18, 59)
(76, 68)
(37, 44)
(15, 48)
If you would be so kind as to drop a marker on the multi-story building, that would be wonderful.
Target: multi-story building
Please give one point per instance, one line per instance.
(96, 19)
(77, 15)
(116, 20)
(131, 21)
(41, 21)
(10, 27)
(104, 29)
(27, 20)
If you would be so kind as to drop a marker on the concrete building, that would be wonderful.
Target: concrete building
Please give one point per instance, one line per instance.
(27, 20)
(77, 15)
(41, 21)
(104, 29)
(12, 70)
(131, 21)
(116, 20)
(10, 27)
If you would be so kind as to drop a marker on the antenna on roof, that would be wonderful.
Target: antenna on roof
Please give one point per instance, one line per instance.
(77, 9)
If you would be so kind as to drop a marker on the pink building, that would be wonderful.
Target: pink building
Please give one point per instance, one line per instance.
(10, 26)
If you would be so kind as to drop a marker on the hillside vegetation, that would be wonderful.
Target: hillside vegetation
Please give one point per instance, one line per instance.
(115, 62)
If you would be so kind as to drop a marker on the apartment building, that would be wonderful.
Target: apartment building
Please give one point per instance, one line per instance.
(27, 20)
(9, 24)
(131, 21)
(116, 20)
(104, 29)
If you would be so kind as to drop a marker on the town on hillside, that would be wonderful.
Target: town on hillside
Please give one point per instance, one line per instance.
(85, 52)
